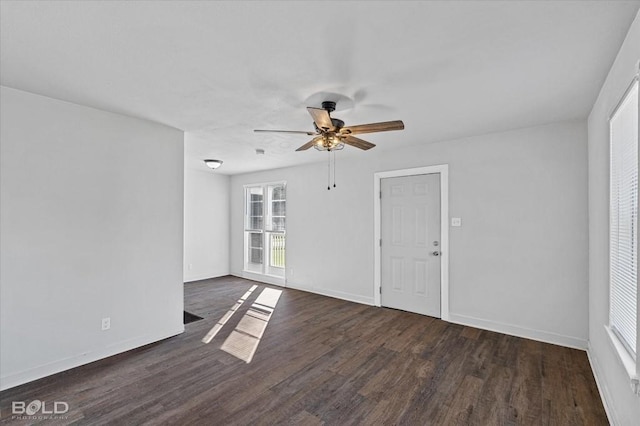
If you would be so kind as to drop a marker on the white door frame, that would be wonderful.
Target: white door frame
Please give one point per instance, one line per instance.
(443, 170)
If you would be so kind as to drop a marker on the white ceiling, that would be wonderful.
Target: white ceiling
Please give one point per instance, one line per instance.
(218, 70)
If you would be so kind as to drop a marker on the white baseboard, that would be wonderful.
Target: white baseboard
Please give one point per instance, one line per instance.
(201, 277)
(605, 396)
(332, 293)
(15, 379)
(513, 330)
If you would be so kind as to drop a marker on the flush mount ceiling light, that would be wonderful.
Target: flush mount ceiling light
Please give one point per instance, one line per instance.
(214, 164)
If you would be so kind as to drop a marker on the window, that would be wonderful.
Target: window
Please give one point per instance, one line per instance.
(265, 225)
(623, 221)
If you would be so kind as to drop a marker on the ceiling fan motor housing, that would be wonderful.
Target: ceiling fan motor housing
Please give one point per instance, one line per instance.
(330, 106)
(337, 123)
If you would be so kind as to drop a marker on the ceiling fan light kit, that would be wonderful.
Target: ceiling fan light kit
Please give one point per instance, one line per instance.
(331, 134)
(328, 143)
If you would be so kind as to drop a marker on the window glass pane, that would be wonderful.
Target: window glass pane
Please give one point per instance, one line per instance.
(278, 193)
(255, 222)
(278, 207)
(278, 223)
(254, 209)
(256, 241)
(276, 255)
(255, 248)
(255, 256)
(256, 205)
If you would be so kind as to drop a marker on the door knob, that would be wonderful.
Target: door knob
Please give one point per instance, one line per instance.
(436, 253)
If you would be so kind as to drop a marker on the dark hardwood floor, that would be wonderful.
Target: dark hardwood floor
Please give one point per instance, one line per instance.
(323, 361)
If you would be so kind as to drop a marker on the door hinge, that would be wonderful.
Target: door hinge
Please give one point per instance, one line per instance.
(380, 289)
(380, 194)
(380, 242)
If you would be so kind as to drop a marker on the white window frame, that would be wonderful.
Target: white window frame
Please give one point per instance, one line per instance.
(266, 273)
(630, 360)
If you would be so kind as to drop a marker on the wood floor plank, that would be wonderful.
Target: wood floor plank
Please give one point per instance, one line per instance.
(526, 390)
(493, 405)
(324, 361)
(461, 406)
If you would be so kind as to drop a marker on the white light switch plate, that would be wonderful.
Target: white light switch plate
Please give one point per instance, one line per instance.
(456, 221)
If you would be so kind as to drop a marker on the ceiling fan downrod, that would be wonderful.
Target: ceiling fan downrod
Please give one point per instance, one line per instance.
(329, 106)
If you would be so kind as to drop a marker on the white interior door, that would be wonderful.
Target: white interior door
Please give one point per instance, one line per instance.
(410, 246)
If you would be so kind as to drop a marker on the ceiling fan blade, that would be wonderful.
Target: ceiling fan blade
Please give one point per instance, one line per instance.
(358, 143)
(309, 144)
(321, 118)
(385, 126)
(302, 132)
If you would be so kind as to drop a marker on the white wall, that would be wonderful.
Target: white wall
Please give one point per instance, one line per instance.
(519, 262)
(91, 227)
(623, 406)
(206, 225)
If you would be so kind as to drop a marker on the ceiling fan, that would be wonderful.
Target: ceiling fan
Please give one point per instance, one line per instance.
(332, 135)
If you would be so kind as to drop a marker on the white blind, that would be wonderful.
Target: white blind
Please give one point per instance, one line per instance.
(623, 251)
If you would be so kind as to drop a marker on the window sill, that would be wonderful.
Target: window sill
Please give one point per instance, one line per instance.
(627, 360)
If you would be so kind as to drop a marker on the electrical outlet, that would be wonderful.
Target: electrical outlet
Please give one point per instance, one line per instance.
(106, 323)
(456, 221)
(190, 266)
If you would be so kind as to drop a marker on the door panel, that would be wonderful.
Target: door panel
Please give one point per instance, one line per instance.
(410, 231)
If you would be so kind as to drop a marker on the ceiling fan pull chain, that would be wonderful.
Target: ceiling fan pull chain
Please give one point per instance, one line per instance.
(329, 172)
(334, 169)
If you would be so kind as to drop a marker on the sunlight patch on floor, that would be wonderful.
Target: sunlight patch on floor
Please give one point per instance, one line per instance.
(243, 341)
(216, 328)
